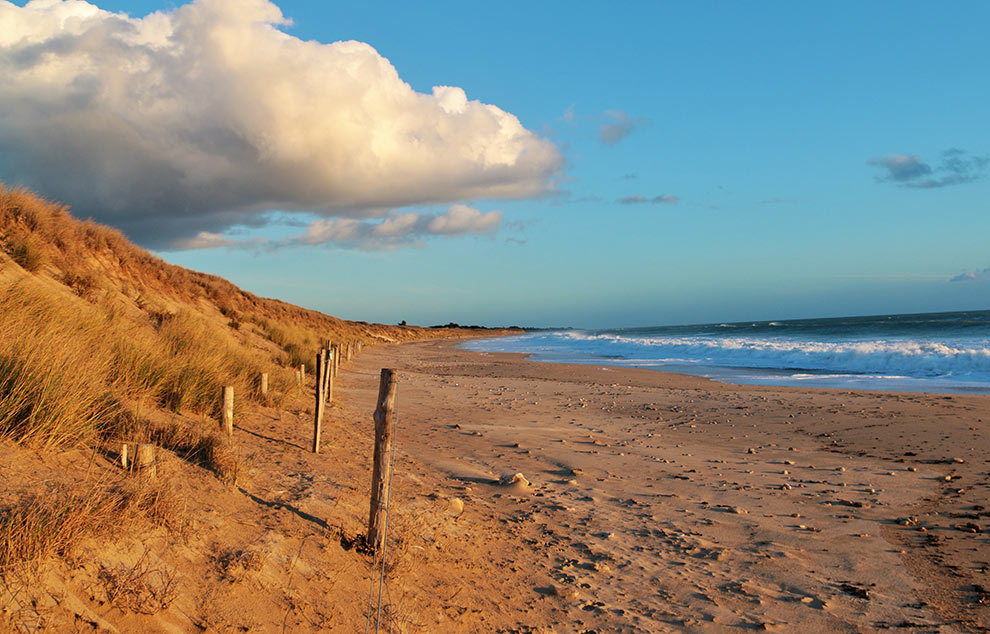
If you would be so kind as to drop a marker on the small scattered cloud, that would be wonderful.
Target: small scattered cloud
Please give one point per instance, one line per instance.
(972, 276)
(569, 114)
(630, 176)
(620, 126)
(461, 219)
(397, 230)
(909, 170)
(636, 199)
(774, 200)
(206, 240)
(901, 168)
(564, 197)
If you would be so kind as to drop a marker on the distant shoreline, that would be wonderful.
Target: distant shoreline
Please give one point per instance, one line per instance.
(941, 353)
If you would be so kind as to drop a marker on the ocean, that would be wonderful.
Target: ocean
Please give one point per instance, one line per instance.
(934, 352)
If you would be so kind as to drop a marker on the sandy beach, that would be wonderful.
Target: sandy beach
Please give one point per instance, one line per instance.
(647, 502)
(656, 502)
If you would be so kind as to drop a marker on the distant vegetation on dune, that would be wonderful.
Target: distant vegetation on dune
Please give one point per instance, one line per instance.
(92, 326)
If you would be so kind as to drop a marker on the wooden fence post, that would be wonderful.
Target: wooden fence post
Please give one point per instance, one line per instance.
(123, 455)
(228, 409)
(381, 473)
(264, 384)
(319, 388)
(329, 381)
(349, 347)
(145, 460)
(302, 374)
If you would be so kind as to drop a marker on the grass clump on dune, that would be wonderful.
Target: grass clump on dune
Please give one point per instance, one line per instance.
(54, 522)
(53, 390)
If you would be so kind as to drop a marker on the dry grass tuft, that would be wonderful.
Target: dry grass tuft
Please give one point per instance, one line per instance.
(54, 523)
(205, 447)
(142, 588)
(235, 564)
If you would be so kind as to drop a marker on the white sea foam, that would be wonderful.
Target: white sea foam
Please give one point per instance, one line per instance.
(889, 357)
(963, 362)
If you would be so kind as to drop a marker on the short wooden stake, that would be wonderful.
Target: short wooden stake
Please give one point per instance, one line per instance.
(228, 409)
(302, 374)
(145, 460)
(348, 351)
(123, 455)
(264, 384)
(381, 473)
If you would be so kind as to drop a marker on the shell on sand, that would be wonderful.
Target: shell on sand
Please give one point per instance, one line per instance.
(515, 481)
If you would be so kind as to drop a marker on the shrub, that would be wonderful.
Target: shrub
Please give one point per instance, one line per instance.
(25, 251)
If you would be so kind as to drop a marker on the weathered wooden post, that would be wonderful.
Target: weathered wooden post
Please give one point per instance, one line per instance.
(321, 371)
(123, 455)
(302, 374)
(381, 473)
(349, 349)
(329, 381)
(336, 359)
(228, 409)
(264, 384)
(145, 460)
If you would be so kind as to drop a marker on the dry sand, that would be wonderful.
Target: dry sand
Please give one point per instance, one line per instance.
(659, 502)
(647, 502)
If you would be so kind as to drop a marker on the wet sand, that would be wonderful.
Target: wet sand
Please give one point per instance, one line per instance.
(656, 502)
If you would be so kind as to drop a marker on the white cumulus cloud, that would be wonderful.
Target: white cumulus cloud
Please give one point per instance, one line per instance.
(183, 123)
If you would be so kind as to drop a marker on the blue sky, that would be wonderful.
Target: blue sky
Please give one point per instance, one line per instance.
(705, 162)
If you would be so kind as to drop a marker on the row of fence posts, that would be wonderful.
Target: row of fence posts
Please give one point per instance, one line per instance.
(328, 362)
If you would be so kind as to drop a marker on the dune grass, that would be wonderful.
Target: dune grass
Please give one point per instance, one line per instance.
(67, 367)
